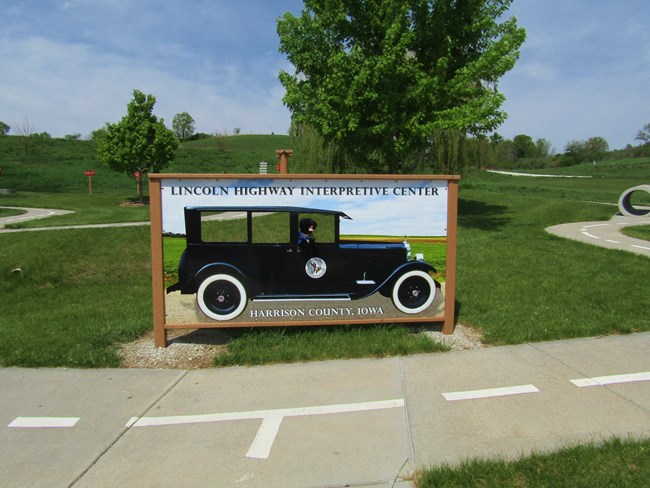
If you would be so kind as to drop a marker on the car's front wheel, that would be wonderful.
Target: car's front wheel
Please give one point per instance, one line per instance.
(221, 297)
(414, 291)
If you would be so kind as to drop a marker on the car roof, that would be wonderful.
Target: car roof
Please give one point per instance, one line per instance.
(269, 209)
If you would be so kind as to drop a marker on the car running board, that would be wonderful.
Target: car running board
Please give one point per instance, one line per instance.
(292, 298)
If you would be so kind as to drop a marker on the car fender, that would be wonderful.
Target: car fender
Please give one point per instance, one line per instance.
(215, 268)
(386, 287)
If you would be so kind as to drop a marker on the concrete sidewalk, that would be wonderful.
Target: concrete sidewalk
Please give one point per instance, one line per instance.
(368, 422)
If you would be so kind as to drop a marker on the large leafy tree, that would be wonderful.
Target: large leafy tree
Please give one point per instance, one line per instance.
(138, 144)
(183, 125)
(377, 77)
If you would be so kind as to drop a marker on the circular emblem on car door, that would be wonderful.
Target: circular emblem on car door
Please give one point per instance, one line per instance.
(315, 267)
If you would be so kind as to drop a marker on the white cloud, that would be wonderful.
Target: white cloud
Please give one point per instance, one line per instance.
(584, 70)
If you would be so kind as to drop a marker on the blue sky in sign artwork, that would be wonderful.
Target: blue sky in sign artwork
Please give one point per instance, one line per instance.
(70, 66)
(417, 208)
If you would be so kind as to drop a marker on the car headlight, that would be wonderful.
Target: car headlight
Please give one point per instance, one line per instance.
(407, 246)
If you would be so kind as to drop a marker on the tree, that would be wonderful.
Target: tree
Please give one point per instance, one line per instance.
(644, 134)
(183, 125)
(597, 148)
(524, 146)
(378, 77)
(593, 149)
(4, 129)
(495, 139)
(25, 130)
(544, 148)
(139, 143)
(99, 134)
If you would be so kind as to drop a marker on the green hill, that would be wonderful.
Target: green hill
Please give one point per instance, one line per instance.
(58, 165)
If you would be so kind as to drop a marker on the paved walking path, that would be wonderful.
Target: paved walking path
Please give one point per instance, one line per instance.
(40, 213)
(366, 422)
(606, 234)
(30, 214)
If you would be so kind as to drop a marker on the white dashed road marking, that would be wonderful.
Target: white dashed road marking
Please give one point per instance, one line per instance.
(613, 379)
(490, 393)
(43, 422)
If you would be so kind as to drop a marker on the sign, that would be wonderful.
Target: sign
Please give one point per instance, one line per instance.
(271, 250)
(90, 173)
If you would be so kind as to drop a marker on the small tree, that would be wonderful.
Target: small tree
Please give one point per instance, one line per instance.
(524, 146)
(4, 129)
(544, 148)
(98, 134)
(597, 148)
(25, 130)
(183, 125)
(644, 134)
(593, 149)
(139, 143)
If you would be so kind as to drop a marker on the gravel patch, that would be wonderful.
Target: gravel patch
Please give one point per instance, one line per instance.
(194, 349)
(463, 338)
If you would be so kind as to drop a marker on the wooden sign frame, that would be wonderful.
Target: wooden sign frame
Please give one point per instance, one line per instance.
(157, 183)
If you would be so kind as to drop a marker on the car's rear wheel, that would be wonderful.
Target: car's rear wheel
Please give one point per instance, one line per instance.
(221, 297)
(414, 291)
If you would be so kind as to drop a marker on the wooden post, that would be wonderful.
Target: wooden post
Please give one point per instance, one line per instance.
(450, 283)
(157, 280)
(284, 154)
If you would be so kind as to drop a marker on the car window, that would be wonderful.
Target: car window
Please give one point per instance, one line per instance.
(271, 228)
(224, 227)
(324, 232)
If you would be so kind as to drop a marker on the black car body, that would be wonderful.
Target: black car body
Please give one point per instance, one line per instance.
(256, 255)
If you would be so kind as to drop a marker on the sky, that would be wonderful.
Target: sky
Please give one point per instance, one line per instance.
(364, 201)
(70, 66)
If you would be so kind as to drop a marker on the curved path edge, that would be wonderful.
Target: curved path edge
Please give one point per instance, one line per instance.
(606, 233)
(41, 213)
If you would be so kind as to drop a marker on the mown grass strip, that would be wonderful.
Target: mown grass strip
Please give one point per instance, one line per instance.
(637, 231)
(615, 463)
(288, 345)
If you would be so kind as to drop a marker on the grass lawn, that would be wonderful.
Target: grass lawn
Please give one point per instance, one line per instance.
(7, 212)
(295, 344)
(83, 292)
(78, 294)
(637, 231)
(624, 463)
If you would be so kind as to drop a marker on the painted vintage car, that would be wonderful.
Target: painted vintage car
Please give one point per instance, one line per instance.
(237, 254)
